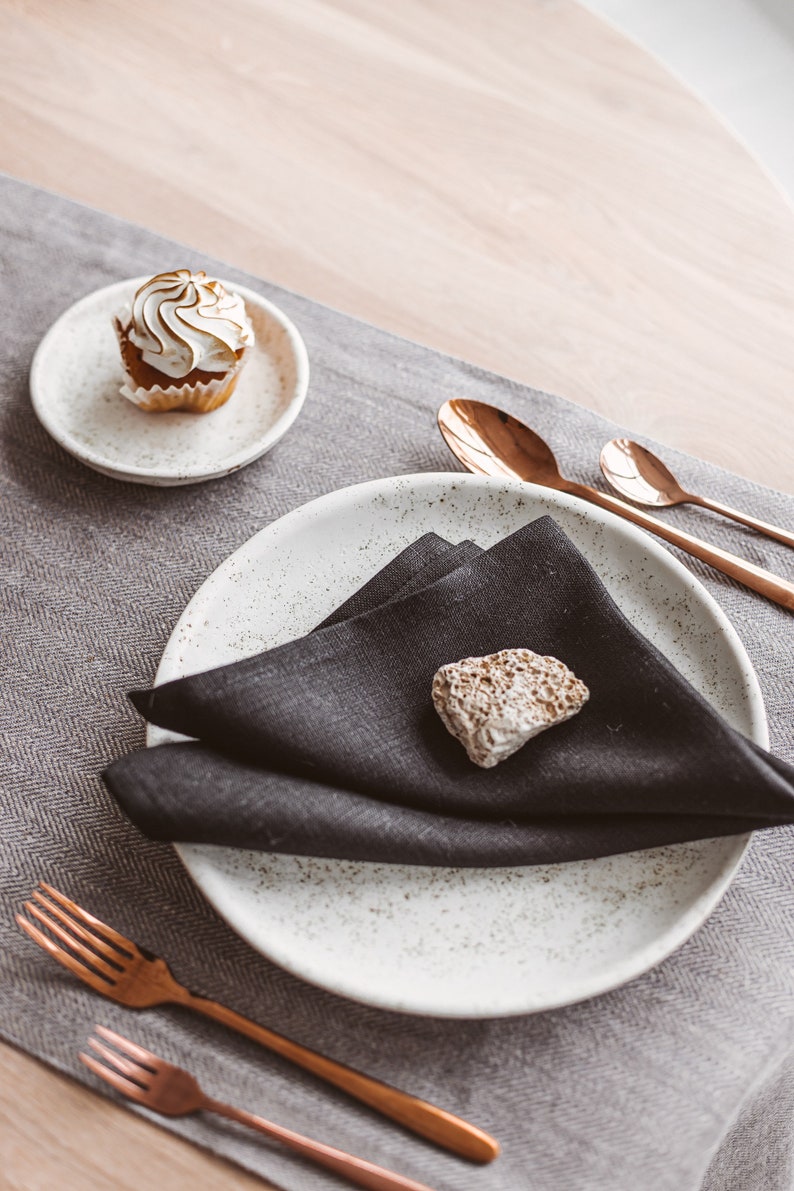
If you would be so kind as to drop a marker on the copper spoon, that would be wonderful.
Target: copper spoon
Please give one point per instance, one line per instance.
(636, 473)
(489, 441)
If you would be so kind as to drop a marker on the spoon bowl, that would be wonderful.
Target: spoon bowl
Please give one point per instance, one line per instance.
(638, 474)
(491, 442)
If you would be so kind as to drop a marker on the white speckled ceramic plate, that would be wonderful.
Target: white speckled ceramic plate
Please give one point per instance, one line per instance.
(460, 942)
(76, 376)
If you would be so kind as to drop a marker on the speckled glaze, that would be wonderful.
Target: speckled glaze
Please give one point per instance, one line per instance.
(460, 942)
(76, 376)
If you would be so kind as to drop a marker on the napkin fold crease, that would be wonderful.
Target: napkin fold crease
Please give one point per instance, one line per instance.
(330, 746)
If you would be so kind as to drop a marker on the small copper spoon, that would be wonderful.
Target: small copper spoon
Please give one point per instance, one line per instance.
(489, 441)
(636, 473)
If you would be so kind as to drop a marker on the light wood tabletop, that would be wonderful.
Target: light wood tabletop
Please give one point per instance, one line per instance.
(512, 182)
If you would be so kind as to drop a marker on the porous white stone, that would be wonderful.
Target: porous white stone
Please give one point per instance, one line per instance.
(493, 705)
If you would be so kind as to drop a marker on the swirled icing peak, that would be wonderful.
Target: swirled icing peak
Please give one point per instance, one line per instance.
(183, 320)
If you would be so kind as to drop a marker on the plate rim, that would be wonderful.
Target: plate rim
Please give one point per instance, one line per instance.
(170, 476)
(644, 958)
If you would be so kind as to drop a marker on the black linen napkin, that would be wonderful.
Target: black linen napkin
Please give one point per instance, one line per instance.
(330, 745)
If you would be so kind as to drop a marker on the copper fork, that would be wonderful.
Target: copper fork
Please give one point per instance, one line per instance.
(116, 967)
(151, 1081)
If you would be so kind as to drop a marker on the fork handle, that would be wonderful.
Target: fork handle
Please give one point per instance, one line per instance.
(426, 1119)
(771, 531)
(357, 1170)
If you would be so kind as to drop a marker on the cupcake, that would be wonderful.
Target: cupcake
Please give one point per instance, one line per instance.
(183, 343)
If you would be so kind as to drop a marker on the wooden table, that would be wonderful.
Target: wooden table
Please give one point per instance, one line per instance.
(512, 182)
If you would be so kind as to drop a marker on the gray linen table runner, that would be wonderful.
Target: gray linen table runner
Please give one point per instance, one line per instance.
(683, 1079)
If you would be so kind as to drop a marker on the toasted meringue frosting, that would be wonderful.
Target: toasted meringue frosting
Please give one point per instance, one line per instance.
(183, 320)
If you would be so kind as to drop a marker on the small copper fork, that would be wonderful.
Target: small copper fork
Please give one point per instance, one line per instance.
(167, 1089)
(116, 967)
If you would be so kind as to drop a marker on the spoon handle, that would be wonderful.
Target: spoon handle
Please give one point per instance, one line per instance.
(764, 582)
(771, 531)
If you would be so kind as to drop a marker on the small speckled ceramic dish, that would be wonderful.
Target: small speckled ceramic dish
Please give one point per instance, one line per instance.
(460, 942)
(76, 376)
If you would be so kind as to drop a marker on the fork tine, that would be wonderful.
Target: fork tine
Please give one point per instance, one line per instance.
(124, 944)
(85, 953)
(76, 966)
(94, 940)
(130, 1048)
(114, 1078)
(125, 1065)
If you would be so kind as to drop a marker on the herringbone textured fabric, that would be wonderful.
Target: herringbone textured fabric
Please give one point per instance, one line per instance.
(676, 1082)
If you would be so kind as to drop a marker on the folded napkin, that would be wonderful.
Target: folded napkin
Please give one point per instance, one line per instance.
(330, 745)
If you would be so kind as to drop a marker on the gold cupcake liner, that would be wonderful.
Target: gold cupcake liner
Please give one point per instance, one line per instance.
(198, 398)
